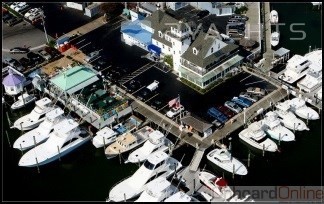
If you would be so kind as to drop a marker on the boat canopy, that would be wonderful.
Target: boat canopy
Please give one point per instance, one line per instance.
(155, 49)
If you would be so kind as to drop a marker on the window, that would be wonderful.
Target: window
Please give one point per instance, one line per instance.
(173, 52)
(169, 49)
(194, 51)
(212, 50)
(182, 43)
(160, 34)
(149, 165)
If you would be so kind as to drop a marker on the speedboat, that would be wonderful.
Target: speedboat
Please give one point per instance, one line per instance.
(157, 190)
(297, 67)
(217, 114)
(158, 163)
(156, 142)
(223, 159)
(37, 115)
(41, 133)
(23, 100)
(257, 138)
(105, 136)
(174, 111)
(288, 119)
(272, 126)
(128, 141)
(274, 17)
(180, 196)
(242, 101)
(299, 107)
(275, 38)
(216, 184)
(66, 137)
(249, 96)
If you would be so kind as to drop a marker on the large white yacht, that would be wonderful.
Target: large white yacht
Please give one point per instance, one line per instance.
(223, 159)
(297, 67)
(23, 100)
(272, 126)
(105, 136)
(288, 118)
(66, 137)
(299, 107)
(256, 137)
(313, 78)
(41, 133)
(157, 164)
(157, 190)
(216, 184)
(37, 115)
(127, 142)
(156, 142)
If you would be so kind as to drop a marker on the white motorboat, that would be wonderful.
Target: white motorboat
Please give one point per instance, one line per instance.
(157, 164)
(23, 100)
(275, 38)
(156, 142)
(180, 196)
(272, 126)
(274, 18)
(288, 119)
(299, 107)
(297, 67)
(256, 137)
(157, 190)
(318, 95)
(223, 159)
(66, 137)
(41, 133)
(37, 115)
(216, 184)
(105, 136)
(313, 79)
(128, 141)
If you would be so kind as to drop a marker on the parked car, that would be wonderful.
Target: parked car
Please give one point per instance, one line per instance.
(232, 106)
(22, 7)
(13, 6)
(30, 12)
(256, 90)
(91, 56)
(26, 62)
(6, 17)
(174, 111)
(229, 113)
(249, 96)
(203, 13)
(19, 50)
(238, 16)
(133, 86)
(13, 21)
(36, 58)
(13, 63)
(44, 54)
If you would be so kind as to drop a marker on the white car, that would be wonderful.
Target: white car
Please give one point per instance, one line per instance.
(20, 6)
(31, 11)
(174, 111)
(91, 56)
(35, 15)
(13, 6)
(44, 54)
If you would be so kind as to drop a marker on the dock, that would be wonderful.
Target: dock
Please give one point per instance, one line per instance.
(268, 52)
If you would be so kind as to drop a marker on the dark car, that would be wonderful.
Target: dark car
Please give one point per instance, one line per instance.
(157, 104)
(6, 17)
(26, 62)
(13, 21)
(203, 13)
(36, 58)
(226, 111)
(19, 50)
(133, 86)
(52, 51)
(145, 94)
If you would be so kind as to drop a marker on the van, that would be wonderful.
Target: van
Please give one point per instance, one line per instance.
(234, 32)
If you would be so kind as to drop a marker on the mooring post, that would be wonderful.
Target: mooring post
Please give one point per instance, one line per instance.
(307, 117)
(58, 150)
(279, 137)
(294, 128)
(34, 140)
(37, 165)
(233, 171)
(21, 149)
(8, 138)
(249, 159)
(8, 119)
(263, 150)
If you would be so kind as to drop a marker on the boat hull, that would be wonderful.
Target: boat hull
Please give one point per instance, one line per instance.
(269, 145)
(307, 113)
(20, 104)
(27, 141)
(25, 124)
(281, 135)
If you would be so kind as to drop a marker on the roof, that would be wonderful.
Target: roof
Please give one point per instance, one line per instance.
(203, 44)
(65, 126)
(197, 124)
(281, 52)
(74, 79)
(12, 79)
(156, 135)
(157, 157)
(135, 30)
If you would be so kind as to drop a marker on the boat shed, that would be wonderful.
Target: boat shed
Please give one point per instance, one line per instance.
(202, 128)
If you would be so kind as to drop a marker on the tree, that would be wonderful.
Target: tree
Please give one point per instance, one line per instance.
(169, 60)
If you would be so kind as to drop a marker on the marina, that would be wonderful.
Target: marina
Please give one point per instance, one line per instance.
(127, 126)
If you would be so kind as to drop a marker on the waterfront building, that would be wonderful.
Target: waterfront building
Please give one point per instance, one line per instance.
(13, 83)
(218, 8)
(197, 126)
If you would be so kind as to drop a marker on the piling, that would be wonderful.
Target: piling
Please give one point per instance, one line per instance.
(9, 122)
(37, 165)
(279, 137)
(21, 149)
(263, 150)
(34, 141)
(58, 150)
(8, 138)
(233, 171)
(249, 159)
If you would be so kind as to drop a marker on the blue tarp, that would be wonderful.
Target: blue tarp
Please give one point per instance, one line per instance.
(155, 49)
(62, 40)
(217, 114)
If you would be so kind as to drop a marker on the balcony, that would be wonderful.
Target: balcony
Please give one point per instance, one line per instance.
(194, 68)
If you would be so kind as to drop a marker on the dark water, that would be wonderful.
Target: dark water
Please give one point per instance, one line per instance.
(86, 175)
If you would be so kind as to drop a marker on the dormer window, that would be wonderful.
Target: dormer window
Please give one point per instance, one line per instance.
(212, 50)
(195, 51)
(160, 34)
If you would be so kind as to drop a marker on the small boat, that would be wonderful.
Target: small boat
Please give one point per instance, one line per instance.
(216, 184)
(288, 119)
(233, 106)
(272, 126)
(223, 158)
(37, 115)
(256, 91)
(66, 137)
(23, 100)
(274, 18)
(104, 137)
(158, 163)
(299, 107)
(41, 133)
(128, 141)
(242, 101)
(249, 96)
(275, 38)
(157, 190)
(256, 137)
(156, 142)
(129, 125)
(217, 114)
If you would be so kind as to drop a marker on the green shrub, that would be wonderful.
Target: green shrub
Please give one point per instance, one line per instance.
(169, 60)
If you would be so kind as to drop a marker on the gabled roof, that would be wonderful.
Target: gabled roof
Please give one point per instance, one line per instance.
(203, 44)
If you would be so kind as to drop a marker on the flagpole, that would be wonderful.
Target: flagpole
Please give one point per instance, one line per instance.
(180, 105)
